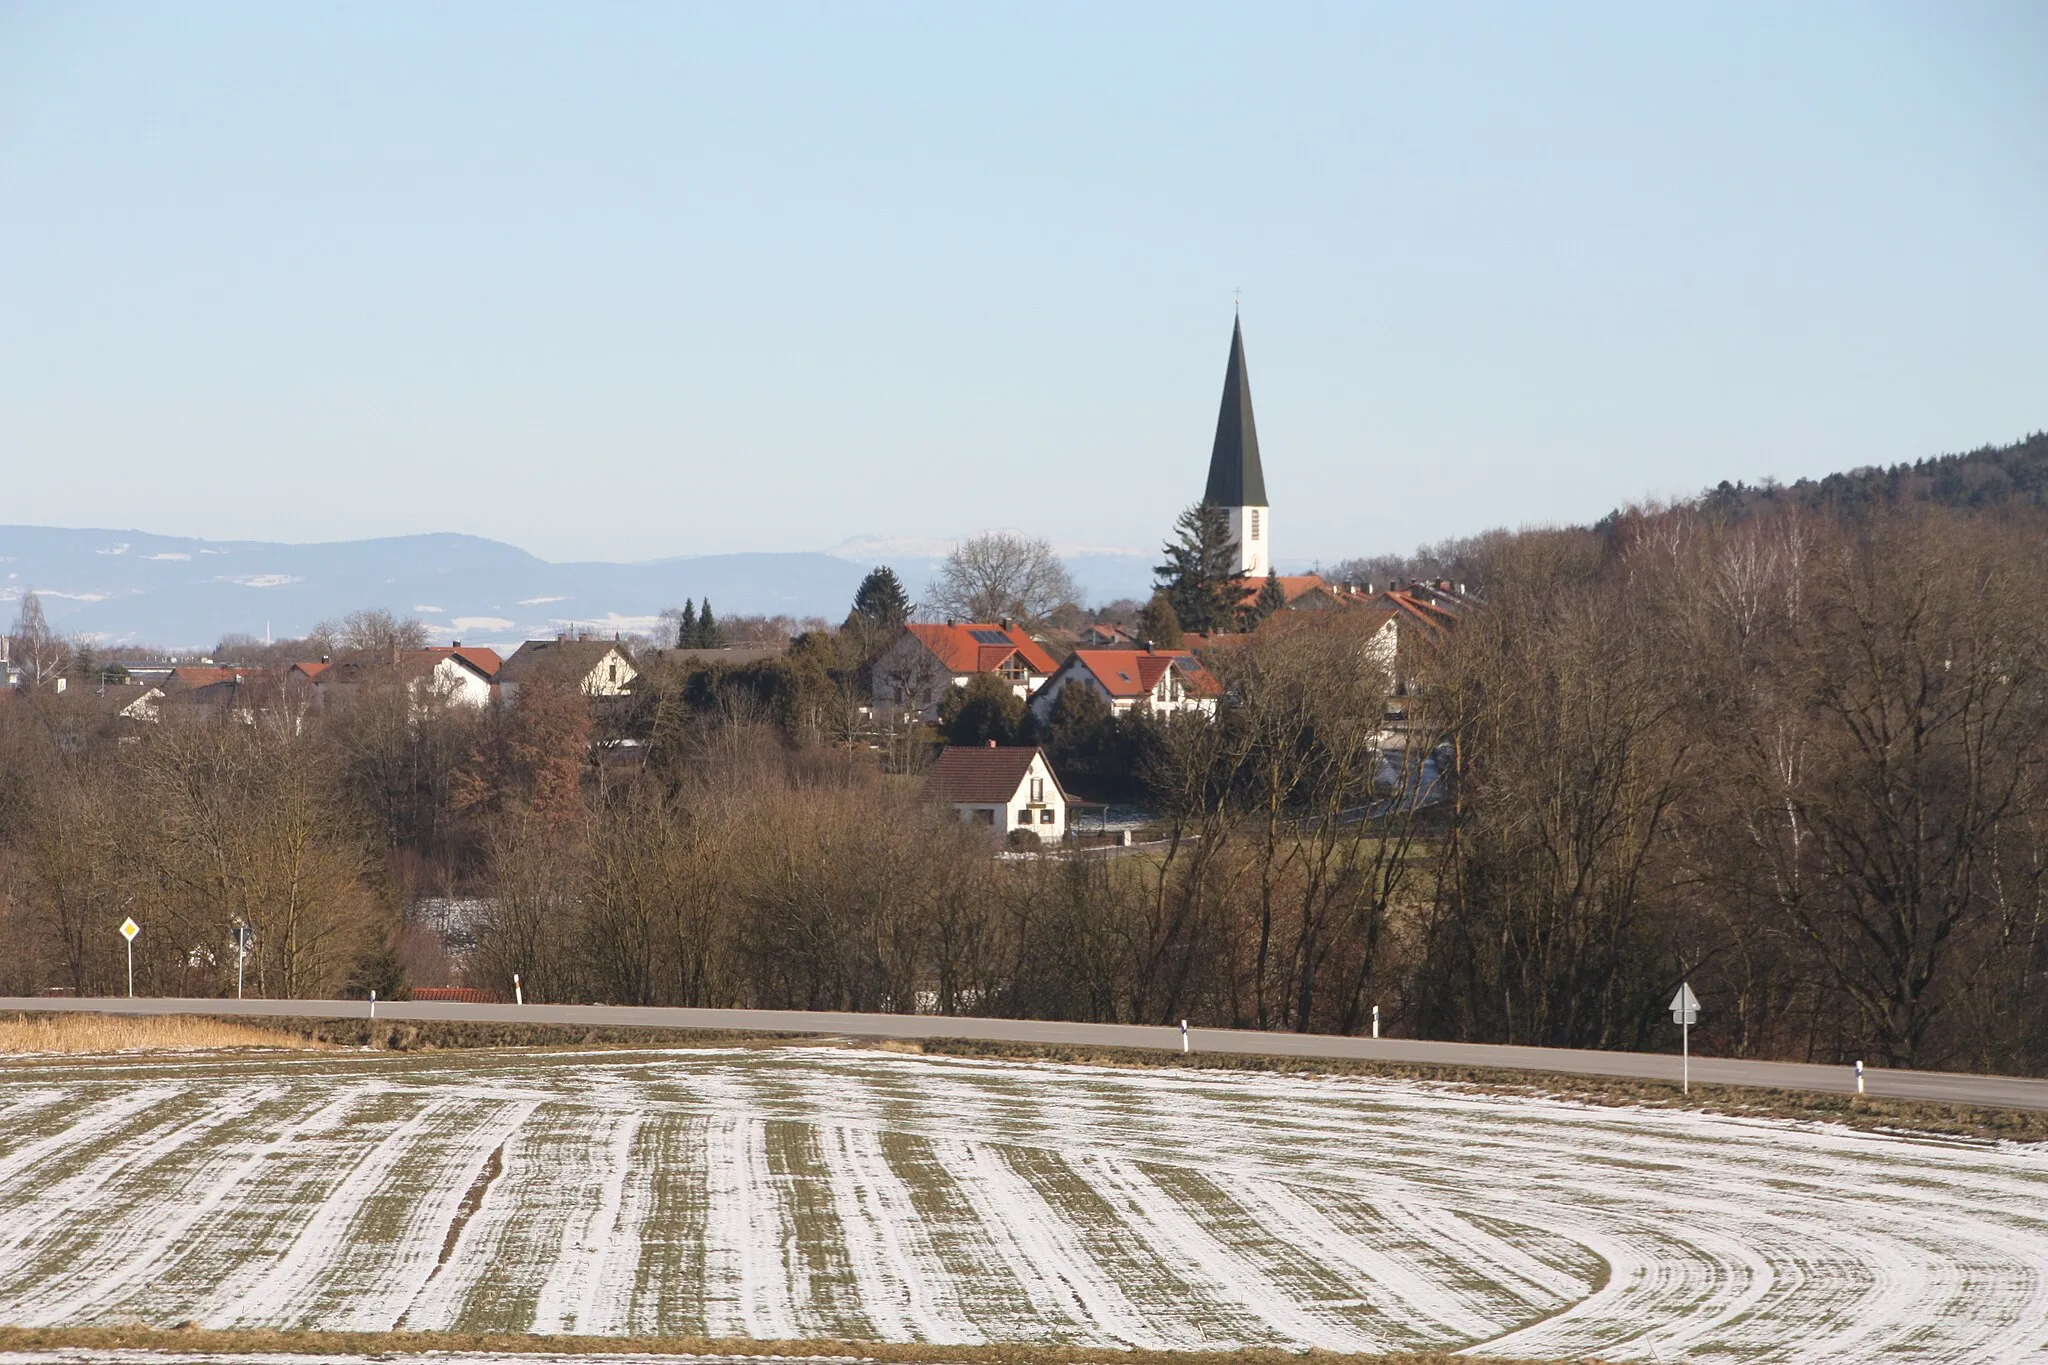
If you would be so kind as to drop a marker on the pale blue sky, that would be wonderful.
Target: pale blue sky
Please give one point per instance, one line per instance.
(626, 281)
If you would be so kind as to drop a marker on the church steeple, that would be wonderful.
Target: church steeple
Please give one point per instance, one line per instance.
(1237, 482)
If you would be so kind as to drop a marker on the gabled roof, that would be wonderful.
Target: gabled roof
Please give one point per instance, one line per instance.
(569, 659)
(1236, 478)
(1135, 672)
(484, 661)
(988, 775)
(981, 646)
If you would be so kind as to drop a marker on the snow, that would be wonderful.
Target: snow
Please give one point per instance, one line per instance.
(836, 1193)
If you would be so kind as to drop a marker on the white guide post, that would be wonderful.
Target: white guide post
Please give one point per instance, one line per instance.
(1375, 1021)
(1685, 1011)
(373, 1004)
(518, 996)
(1859, 1077)
(1183, 1035)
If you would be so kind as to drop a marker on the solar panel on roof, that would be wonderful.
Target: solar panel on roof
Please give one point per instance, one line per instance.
(990, 637)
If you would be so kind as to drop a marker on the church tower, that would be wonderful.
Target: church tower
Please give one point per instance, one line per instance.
(1236, 482)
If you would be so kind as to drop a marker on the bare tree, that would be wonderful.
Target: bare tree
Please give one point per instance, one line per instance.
(373, 631)
(40, 651)
(1000, 575)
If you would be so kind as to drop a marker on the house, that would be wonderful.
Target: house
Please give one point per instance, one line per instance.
(1002, 788)
(913, 674)
(462, 675)
(596, 668)
(1161, 681)
(1105, 635)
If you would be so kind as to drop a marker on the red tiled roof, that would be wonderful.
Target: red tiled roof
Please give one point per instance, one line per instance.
(484, 661)
(957, 647)
(310, 670)
(1135, 672)
(988, 774)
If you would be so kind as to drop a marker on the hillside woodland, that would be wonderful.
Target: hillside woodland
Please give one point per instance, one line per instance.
(1789, 744)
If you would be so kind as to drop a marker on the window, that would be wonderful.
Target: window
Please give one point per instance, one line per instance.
(984, 816)
(1255, 525)
(1016, 670)
(1037, 791)
(1023, 817)
(1045, 817)
(613, 676)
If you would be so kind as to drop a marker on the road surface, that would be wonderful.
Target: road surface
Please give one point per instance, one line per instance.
(2001, 1092)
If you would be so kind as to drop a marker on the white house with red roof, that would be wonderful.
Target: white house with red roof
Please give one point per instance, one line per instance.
(913, 675)
(1163, 681)
(1004, 788)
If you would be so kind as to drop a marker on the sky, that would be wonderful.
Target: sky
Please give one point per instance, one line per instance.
(628, 281)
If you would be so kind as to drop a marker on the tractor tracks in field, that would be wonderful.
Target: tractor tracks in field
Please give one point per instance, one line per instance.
(472, 1201)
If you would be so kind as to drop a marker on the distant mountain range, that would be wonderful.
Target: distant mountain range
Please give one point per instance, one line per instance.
(131, 587)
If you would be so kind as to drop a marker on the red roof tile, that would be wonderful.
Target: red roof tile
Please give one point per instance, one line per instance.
(981, 646)
(1135, 672)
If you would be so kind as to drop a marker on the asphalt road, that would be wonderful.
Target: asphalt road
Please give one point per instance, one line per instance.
(2003, 1092)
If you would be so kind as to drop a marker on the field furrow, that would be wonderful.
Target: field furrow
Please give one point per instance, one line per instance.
(814, 1192)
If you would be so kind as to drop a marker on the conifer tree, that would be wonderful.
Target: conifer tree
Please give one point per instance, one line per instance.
(686, 629)
(707, 628)
(1271, 598)
(1200, 577)
(880, 601)
(1157, 625)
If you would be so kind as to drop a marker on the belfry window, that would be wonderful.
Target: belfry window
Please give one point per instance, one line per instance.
(1254, 524)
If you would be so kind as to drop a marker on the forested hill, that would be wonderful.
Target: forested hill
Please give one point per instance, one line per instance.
(1994, 476)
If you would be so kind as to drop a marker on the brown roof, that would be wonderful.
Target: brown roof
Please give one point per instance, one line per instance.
(569, 659)
(988, 774)
(981, 646)
(1135, 672)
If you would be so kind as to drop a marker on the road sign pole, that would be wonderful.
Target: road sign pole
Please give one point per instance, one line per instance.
(129, 929)
(1685, 1053)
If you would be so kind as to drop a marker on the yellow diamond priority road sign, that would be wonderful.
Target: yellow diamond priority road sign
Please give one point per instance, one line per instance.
(129, 929)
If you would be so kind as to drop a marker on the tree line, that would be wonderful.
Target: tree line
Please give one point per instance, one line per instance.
(1794, 756)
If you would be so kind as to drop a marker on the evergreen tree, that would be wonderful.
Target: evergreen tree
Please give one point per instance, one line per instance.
(1157, 625)
(686, 629)
(1271, 598)
(987, 708)
(1200, 577)
(707, 628)
(880, 601)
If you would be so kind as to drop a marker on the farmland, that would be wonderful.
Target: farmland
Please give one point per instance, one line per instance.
(826, 1193)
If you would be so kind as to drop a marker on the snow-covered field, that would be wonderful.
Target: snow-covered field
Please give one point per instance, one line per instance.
(828, 1193)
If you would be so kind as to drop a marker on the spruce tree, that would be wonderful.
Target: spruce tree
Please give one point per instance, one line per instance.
(1157, 627)
(1200, 576)
(1271, 598)
(707, 628)
(686, 629)
(880, 601)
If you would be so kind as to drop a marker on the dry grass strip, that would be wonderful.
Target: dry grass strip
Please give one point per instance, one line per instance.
(239, 1342)
(84, 1034)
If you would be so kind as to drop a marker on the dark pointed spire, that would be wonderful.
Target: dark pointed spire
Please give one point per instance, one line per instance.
(1235, 476)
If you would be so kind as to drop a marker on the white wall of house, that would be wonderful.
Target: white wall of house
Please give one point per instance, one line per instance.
(1036, 805)
(461, 684)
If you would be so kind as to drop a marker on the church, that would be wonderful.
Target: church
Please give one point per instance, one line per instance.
(1237, 484)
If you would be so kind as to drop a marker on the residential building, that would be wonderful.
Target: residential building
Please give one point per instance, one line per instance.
(596, 668)
(1161, 681)
(912, 676)
(1004, 788)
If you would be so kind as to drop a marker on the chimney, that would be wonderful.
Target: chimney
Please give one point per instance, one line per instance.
(991, 744)
(455, 644)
